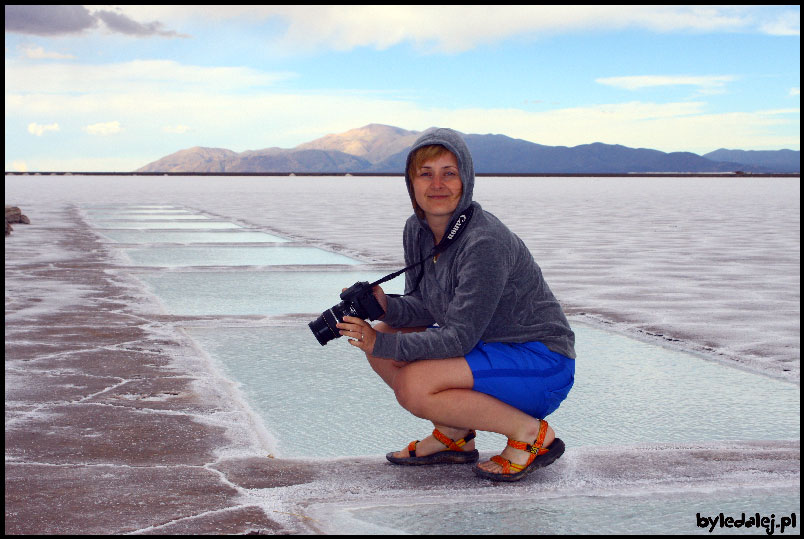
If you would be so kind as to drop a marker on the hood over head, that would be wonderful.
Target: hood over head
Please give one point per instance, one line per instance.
(453, 141)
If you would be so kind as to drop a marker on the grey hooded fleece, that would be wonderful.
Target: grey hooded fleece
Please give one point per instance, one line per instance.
(486, 286)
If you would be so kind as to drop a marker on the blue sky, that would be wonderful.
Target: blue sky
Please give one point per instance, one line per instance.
(112, 88)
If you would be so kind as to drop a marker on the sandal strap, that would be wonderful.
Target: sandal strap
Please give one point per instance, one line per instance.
(412, 448)
(452, 444)
(536, 447)
(507, 465)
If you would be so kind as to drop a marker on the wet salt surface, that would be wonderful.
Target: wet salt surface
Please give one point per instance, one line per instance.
(616, 251)
(592, 515)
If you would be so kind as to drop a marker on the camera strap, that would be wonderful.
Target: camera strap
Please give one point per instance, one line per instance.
(458, 226)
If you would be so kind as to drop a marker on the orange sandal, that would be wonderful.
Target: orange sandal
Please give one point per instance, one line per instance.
(539, 458)
(454, 454)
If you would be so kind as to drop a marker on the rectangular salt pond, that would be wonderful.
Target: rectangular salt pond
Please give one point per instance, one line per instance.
(197, 293)
(626, 392)
(233, 256)
(167, 225)
(148, 217)
(106, 213)
(178, 236)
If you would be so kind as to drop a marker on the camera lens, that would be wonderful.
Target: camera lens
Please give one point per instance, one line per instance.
(324, 328)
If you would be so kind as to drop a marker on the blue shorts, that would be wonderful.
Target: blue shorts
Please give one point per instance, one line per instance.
(528, 376)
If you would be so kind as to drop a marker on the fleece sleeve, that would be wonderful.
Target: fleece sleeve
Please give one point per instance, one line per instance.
(483, 268)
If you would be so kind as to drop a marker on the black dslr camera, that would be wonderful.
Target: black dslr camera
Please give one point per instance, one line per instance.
(358, 300)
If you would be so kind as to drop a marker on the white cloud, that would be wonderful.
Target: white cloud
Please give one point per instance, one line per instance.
(19, 166)
(459, 28)
(175, 129)
(787, 23)
(39, 129)
(795, 91)
(39, 53)
(155, 76)
(104, 128)
(706, 83)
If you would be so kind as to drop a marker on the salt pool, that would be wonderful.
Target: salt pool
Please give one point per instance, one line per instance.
(163, 224)
(197, 293)
(626, 392)
(233, 256)
(179, 236)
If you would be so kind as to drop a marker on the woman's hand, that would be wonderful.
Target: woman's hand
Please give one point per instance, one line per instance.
(360, 333)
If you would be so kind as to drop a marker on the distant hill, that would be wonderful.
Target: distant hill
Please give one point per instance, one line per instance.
(779, 160)
(374, 142)
(383, 148)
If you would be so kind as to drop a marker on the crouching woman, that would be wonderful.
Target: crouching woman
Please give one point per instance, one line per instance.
(478, 341)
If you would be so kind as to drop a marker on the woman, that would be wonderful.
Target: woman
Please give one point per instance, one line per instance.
(479, 342)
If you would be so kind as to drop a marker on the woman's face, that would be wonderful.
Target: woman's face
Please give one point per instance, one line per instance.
(437, 187)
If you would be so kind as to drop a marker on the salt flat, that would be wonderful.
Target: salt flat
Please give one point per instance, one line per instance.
(96, 386)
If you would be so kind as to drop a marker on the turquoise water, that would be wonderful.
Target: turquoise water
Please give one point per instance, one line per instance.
(224, 255)
(626, 391)
(178, 236)
(256, 292)
(165, 224)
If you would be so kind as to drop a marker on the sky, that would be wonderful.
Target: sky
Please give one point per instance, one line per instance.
(113, 88)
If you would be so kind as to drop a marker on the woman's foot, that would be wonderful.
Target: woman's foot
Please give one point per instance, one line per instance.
(446, 445)
(518, 456)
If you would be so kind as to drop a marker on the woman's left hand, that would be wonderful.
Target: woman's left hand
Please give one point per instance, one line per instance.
(360, 332)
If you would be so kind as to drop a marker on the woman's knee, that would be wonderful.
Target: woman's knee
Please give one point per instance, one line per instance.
(408, 392)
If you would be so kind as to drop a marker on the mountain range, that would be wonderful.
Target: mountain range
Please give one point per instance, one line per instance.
(377, 148)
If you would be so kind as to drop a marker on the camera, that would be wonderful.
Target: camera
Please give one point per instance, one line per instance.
(358, 301)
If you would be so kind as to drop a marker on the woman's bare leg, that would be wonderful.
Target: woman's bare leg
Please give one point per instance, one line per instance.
(387, 370)
(441, 390)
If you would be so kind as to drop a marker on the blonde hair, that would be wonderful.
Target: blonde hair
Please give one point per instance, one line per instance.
(424, 154)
